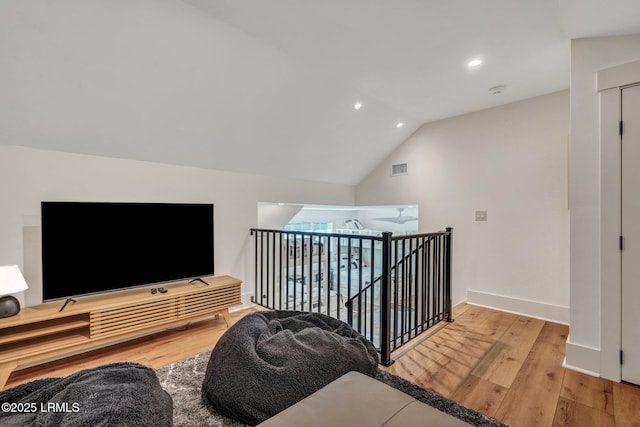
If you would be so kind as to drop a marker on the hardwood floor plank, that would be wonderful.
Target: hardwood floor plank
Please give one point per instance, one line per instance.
(409, 365)
(459, 309)
(504, 360)
(593, 392)
(573, 414)
(464, 352)
(533, 397)
(554, 334)
(495, 324)
(473, 316)
(480, 394)
(626, 403)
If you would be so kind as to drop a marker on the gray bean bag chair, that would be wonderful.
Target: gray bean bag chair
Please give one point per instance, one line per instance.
(118, 394)
(270, 360)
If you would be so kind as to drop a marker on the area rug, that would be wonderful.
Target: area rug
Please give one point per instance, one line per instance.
(183, 381)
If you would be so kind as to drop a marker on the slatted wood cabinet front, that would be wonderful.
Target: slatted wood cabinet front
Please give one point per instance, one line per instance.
(40, 334)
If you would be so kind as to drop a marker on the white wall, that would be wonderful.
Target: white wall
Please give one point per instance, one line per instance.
(512, 162)
(29, 176)
(588, 56)
(164, 81)
(275, 216)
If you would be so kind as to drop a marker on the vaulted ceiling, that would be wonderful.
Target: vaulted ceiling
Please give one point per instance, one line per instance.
(269, 87)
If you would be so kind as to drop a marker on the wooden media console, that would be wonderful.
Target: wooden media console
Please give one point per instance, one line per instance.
(42, 333)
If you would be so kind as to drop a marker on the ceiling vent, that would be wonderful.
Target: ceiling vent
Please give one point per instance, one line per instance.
(399, 169)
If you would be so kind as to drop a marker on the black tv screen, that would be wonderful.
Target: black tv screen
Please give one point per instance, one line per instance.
(89, 248)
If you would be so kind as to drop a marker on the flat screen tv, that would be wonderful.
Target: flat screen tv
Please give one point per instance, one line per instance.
(89, 248)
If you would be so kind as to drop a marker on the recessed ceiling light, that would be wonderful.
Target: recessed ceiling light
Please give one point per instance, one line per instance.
(357, 105)
(399, 125)
(474, 63)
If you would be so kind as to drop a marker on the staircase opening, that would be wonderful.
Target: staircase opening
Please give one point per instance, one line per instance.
(390, 288)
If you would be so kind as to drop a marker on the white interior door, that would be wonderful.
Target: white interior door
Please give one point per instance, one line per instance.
(631, 233)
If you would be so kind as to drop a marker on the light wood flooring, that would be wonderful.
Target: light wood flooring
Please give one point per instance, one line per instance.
(510, 368)
(506, 366)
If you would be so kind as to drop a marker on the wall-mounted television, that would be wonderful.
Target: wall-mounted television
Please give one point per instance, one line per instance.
(90, 247)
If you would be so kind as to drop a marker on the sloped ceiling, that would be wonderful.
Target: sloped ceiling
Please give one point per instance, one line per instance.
(268, 87)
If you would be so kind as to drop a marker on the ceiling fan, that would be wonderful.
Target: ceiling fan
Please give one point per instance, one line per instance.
(400, 219)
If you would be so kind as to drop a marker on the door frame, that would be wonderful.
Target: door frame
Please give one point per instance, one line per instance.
(610, 83)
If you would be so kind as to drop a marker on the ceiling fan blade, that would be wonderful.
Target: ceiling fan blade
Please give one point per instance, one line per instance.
(400, 219)
(404, 219)
(390, 219)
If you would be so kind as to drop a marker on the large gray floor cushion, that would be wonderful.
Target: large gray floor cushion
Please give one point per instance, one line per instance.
(118, 394)
(270, 360)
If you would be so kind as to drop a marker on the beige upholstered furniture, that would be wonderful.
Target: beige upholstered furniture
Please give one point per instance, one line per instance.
(358, 400)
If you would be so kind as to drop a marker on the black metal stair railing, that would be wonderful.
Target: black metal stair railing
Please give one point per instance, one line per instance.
(389, 288)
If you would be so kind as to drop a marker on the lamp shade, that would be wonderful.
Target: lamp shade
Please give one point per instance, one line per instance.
(11, 280)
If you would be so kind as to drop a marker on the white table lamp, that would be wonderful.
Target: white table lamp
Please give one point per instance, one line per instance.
(11, 281)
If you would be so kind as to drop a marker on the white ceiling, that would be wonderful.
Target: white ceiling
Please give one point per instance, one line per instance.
(268, 87)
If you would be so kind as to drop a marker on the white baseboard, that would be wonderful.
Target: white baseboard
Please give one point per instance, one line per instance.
(535, 309)
(582, 358)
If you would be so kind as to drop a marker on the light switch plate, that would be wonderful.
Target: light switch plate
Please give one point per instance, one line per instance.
(481, 215)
